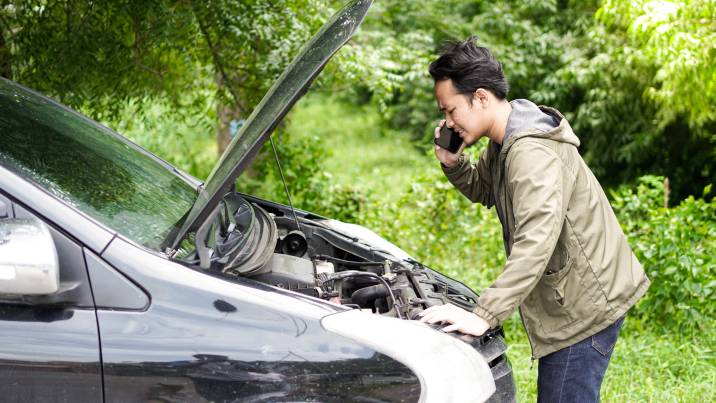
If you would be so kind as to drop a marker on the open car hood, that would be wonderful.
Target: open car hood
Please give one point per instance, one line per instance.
(288, 88)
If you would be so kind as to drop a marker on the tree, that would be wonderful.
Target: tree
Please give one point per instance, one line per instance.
(639, 93)
(678, 38)
(636, 82)
(98, 55)
(401, 38)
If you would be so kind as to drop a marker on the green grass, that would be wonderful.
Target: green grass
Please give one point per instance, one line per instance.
(378, 162)
(647, 365)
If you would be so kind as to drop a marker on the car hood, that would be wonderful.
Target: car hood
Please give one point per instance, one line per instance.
(367, 237)
(288, 88)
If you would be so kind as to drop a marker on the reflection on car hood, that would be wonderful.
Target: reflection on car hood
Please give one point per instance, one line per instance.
(364, 235)
(287, 89)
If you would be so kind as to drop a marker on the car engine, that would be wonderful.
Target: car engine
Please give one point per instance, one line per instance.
(321, 262)
(313, 256)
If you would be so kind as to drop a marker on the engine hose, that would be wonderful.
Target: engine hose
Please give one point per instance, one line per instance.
(354, 273)
(368, 294)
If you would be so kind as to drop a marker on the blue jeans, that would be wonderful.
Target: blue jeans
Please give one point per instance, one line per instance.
(575, 373)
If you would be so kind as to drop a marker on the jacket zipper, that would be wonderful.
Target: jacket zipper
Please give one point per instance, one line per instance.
(501, 205)
(529, 339)
(505, 232)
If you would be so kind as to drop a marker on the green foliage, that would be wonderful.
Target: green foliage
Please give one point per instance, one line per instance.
(399, 39)
(373, 159)
(677, 37)
(249, 43)
(84, 54)
(627, 80)
(636, 82)
(311, 187)
(661, 367)
(388, 60)
(98, 57)
(677, 247)
(609, 89)
(183, 139)
(441, 228)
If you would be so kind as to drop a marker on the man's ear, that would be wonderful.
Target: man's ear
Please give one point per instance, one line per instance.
(481, 97)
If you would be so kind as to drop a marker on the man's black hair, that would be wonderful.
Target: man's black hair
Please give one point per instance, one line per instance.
(470, 67)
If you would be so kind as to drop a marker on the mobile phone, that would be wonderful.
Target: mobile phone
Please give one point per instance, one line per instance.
(449, 139)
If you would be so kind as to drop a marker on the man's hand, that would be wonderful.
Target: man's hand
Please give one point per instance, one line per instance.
(462, 320)
(444, 156)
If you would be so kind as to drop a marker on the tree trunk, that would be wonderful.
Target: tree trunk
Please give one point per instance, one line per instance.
(5, 68)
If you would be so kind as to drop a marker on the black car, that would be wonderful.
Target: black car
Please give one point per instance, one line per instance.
(125, 279)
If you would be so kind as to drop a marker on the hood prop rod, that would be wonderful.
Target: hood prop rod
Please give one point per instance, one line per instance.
(285, 186)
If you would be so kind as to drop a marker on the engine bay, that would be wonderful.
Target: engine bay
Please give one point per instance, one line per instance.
(315, 256)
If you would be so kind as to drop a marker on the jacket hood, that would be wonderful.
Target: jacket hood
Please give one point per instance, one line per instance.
(530, 120)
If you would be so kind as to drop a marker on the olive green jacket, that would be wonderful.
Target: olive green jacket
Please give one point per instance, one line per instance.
(569, 269)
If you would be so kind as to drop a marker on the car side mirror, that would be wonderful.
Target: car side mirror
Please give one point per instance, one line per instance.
(28, 258)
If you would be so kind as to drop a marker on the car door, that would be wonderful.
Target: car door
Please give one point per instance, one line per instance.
(49, 350)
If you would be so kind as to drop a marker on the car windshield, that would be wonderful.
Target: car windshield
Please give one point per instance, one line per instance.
(90, 167)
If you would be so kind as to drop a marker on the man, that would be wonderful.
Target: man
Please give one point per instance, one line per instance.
(569, 269)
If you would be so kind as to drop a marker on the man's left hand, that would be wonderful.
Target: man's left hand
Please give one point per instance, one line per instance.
(460, 319)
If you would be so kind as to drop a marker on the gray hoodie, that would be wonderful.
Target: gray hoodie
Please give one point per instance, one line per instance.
(526, 115)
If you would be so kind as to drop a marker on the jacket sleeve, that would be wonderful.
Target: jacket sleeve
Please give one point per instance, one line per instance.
(472, 180)
(535, 179)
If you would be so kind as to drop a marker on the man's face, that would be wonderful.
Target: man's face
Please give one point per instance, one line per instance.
(467, 116)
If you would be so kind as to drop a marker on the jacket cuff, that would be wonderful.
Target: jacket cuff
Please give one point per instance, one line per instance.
(484, 314)
(455, 168)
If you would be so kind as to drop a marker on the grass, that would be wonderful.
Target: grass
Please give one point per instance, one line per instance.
(378, 162)
(648, 364)
(645, 366)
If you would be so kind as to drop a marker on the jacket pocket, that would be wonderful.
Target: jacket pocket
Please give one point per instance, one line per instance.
(557, 280)
(549, 298)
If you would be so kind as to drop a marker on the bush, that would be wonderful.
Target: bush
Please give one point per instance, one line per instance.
(186, 140)
(439, 227)
(312, 188)
(677, 247)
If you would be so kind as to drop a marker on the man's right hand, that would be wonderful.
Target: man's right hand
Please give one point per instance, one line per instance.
(445, 157)
(461, 320)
